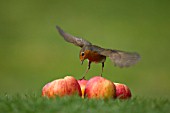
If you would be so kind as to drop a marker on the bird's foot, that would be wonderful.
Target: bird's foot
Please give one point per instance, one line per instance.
(101, 74)
(83, 78)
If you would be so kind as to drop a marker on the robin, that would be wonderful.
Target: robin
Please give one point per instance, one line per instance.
(98, 55)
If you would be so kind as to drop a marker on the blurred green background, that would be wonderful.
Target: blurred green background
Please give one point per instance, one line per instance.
(32, 52)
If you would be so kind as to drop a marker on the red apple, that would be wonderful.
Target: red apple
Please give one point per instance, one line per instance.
(62, 87)
(45, 89)
(99, 87)
(122, 91)
(82, 83)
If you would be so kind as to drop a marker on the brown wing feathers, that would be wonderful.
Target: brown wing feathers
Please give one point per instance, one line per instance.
(124, 59)
(72, 39)
(121, 58)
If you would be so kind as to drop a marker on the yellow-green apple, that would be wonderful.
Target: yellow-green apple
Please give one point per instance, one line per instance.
(62, 87)
(122, 91)
(82, 83)
(100, 88)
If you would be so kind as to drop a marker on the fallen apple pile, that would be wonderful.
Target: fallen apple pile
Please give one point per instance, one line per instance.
(97, 87)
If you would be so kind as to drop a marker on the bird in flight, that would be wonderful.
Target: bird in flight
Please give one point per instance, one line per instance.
(98, 54)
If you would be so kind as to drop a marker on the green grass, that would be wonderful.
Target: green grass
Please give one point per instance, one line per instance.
(33, 103)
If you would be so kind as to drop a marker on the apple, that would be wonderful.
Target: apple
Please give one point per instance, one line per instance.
(82, 83)
(62, 87)
(122, 91)
(100, 88)
(45, 89)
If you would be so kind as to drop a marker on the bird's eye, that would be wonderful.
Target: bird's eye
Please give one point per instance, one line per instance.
(82, 54)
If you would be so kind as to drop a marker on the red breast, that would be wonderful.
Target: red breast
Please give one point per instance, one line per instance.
(94, 56)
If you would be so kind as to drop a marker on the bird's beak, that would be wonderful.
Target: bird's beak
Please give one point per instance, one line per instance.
(82, 62)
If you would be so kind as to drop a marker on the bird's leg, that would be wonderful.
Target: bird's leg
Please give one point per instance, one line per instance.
(102, 68)
(89, 62)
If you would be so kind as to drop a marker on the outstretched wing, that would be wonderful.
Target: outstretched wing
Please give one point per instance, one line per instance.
(120, 58)
(72, 39)
(124, 59)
